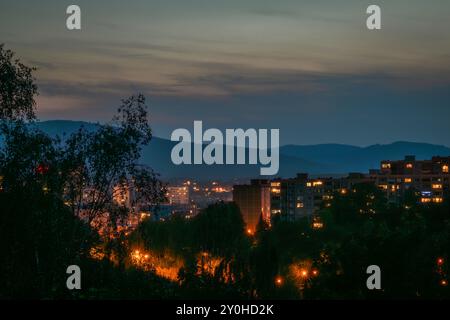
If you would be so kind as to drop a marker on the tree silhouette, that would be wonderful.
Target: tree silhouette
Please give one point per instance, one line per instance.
(53, 190)
(17, 88)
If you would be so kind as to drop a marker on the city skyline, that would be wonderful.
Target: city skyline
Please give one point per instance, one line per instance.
(310, 69)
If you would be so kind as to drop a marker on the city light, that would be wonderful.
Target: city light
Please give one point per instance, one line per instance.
(440, 261)
(386, 166)
(317, 225)
(279, 281)
(444, 283)
(275, 190)
(165, 265)
(438, 200)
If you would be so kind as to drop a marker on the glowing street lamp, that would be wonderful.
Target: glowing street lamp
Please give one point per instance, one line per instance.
(304, 273)
(444, 283)
(279, 281)
(440, 261)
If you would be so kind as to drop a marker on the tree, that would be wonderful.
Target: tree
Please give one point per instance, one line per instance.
(47, 184)
(17, 88)
(103, 165)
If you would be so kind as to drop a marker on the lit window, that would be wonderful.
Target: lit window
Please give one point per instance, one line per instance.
(383, 186)
(275, 184)
(445, 168)
(437, 186)
(308, 184)
(409, 166)
(299, 204)
(425, 200)
(317, 183)
(386, 165)
(317, 225)
(408, 180)
(438, 200)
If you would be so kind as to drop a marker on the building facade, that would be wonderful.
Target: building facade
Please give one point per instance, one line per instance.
(429, 179)
(253, 201)
(302, 196)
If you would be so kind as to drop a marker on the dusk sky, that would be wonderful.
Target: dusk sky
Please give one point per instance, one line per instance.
(309, 68)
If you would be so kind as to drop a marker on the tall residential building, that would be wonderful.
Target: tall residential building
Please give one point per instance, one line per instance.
(296, 199)
(304, 196)
(429, 178)
(253, 201)
(275, 197)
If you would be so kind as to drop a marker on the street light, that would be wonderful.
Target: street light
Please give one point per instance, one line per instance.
(304, 273)
(278, 281)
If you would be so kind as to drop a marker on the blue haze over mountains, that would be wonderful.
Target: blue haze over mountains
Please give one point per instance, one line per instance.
(322, 159)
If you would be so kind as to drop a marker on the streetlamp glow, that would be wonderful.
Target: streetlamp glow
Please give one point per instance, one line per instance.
(278, 281)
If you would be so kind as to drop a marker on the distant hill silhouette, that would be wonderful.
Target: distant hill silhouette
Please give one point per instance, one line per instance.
(314, 159)
(344, 158)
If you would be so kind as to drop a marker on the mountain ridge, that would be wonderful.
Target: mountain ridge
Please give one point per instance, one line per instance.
(330, 158)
